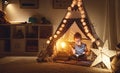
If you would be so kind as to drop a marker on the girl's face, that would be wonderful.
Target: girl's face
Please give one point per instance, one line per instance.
(77, 41)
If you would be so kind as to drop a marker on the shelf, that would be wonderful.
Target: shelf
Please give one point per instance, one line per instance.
(4, 31)
(32, 46)
(31, 31)
(18, 32)
(24, 38)
(45, 32)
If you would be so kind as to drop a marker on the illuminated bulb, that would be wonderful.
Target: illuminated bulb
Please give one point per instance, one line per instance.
(80, 8)
(68, 15)
(88, 34)
(79, 4)
(82, 12)
(84, 23)
(82, 20)
(63, 44)
(50, 38)
(6, 2)
(55, 36)
(74, 2)
(98, 43)
(79, 0)
(86, 30)
(93, 39)
(64, 21)
(85, 27)
(63, 25)
(69, 9)
(58, 32)
(60, 28)
(83, 16)
(48, 42)
(72, 5)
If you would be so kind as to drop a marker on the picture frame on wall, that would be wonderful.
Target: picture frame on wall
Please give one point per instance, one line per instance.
(29, 4)
(61, 4)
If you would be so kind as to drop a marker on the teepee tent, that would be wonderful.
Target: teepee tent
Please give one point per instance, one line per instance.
(75, 20)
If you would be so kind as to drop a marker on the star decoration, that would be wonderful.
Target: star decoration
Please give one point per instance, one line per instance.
(103, 55)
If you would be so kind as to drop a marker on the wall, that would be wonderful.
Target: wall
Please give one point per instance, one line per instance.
(96, 11)
(0, 4)
(15, 13)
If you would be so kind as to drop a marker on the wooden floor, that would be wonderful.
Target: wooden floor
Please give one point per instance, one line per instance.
(24, 64)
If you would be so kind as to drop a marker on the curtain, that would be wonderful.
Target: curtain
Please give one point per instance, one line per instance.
(112, 23)
(117, 9)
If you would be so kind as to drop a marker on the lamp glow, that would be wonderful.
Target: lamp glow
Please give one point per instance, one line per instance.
(63, 44)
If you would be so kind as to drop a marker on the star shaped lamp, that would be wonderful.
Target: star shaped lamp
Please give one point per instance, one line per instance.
(103, 55)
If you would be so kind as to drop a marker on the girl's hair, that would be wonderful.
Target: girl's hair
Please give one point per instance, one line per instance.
(77, 35)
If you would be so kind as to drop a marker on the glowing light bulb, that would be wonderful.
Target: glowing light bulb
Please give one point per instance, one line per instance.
(60, 28)
(82, 20)
(68, 15)
(80, 8)
(58, 32)
(64, 21)
(79, 4)
(93, 39)
(48, 42)
(84, 23)
(50, 38)
(97, 42)
(82, 12)
(86, 30)
(63, 25)
(55, 36)
(83, 16)
(69, 9)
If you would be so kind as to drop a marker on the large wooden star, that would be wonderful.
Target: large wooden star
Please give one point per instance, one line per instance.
(103, 55)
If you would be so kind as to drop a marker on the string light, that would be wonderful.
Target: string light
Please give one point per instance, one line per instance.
(93, 39)
(84, 23)
(64, 21)
(60, 28)
(69, 9)
(50, 38)
(79, 4)
(82, 20)
(80, 8)
(48, 42)
(82, 12)
(55, 36)
(68, 15)
(97, 42)
(86, 30)
(63, 25)
(58, 32)
(82, 15)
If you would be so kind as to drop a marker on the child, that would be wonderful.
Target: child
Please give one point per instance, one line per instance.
(79, 49)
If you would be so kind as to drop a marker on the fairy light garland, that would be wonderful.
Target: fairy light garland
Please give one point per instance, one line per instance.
(79, 3)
